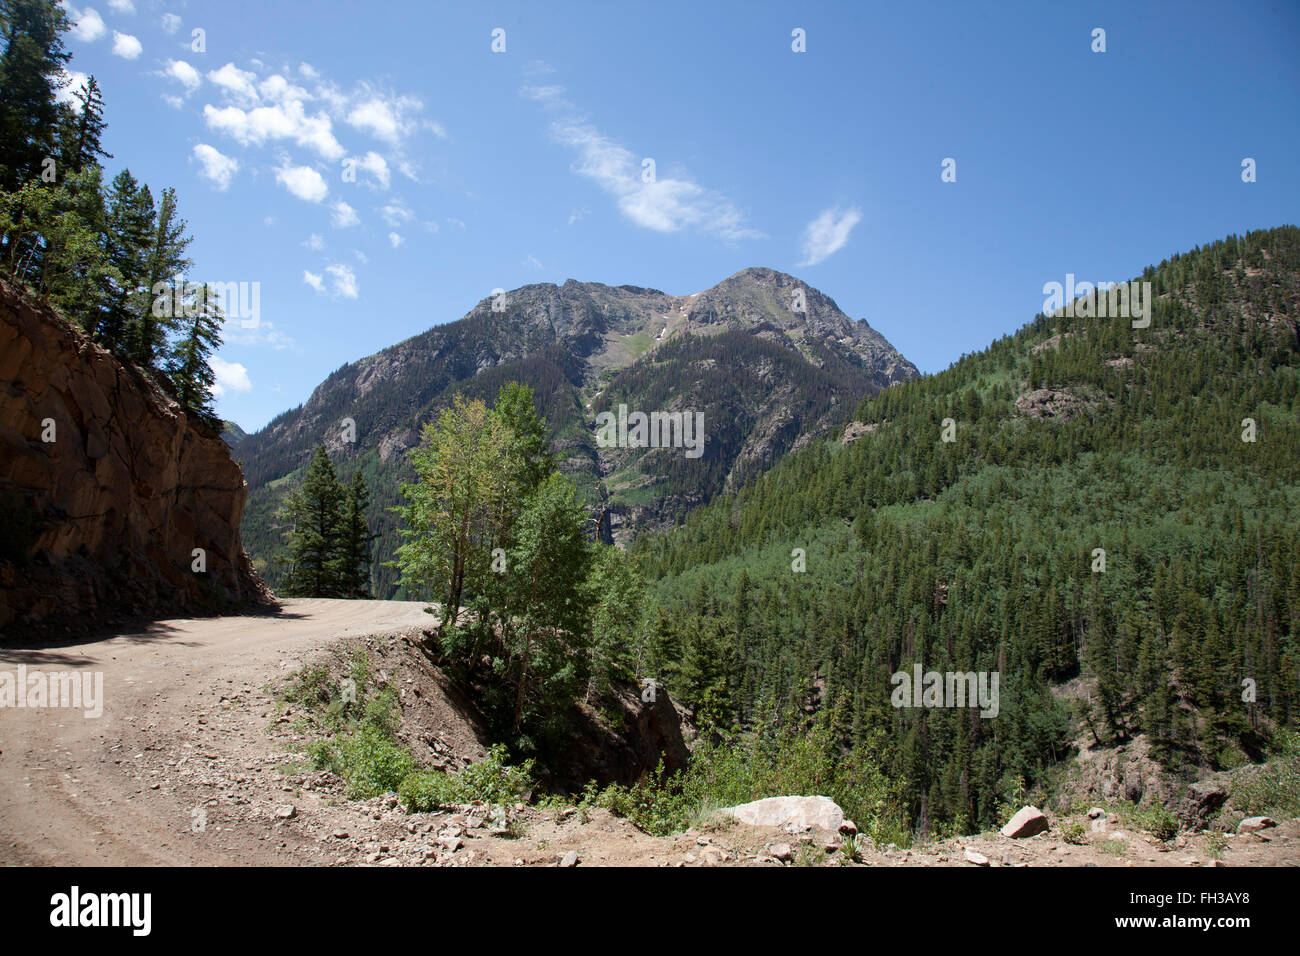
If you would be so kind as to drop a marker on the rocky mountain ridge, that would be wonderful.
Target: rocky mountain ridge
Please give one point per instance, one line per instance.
(768, 359)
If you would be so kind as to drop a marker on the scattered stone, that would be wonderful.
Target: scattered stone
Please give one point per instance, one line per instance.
(1027, 822)
(286, 812)
(1096, 813)
(569, 859)
(979, 859)
(780, 851)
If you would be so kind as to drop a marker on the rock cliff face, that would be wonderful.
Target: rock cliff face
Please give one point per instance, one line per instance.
(113, 504)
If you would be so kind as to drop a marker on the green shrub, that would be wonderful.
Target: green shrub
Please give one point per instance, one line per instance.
(1157, 821)
(370, 761)
(491, 780)
(1073, 831)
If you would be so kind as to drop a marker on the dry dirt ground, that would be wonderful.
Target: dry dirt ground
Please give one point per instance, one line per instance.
(192, 763)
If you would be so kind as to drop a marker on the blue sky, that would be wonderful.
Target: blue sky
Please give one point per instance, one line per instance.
(477, 169)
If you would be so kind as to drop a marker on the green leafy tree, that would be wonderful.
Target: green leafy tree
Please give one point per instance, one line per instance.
(548, 607)
(455, 509)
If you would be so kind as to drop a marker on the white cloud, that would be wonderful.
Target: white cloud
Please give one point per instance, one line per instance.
(343, 216)
(217, 168)
(230, 377)
(828, 233)
(309, 71)
(239, 84)
(396, 214)
(283, 121)
(277, 89)
(303, 182)
(375, 166)
(665, 204)
(175, 102)
(532, 262)
(388, 118)
(343, 281)
(184, 74)
(395, 240)
(121, 6)
(170, 23)
(314, 279)
(314, 242)
(576, 215)
(88, 25)
(126, 46)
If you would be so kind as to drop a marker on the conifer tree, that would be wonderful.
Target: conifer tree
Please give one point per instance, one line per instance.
(315, 514)
(354, 541)
(31, 74)
(188, 366)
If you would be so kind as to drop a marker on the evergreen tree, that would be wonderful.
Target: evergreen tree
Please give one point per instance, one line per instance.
(354, 541)
(31, 72)
(164, 262)
(315, 514)
(128, 241)
(82, 129)
(188, 364)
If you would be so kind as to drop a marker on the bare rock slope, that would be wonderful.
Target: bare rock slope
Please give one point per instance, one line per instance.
(110, 496)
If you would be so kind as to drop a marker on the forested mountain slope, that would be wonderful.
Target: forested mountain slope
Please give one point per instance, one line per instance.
(980, 554)
(766, 358)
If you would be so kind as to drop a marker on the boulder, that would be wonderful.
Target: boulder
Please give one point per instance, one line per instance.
(1255, 824)
(1201, 801)
(1027, 822)
(800, 812)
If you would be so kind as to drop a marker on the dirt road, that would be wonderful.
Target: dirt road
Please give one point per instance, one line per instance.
(78, 790)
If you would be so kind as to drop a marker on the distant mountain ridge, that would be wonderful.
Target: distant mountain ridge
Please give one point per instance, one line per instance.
(768, 359)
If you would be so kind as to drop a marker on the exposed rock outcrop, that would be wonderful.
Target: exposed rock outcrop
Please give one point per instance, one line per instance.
(107, 489)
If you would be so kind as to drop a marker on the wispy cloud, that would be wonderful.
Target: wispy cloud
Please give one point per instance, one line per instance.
(828, 234)
(343, 216)
(343, 281)
(668, 204)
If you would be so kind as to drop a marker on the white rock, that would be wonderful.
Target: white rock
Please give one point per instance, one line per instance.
(798, 812)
